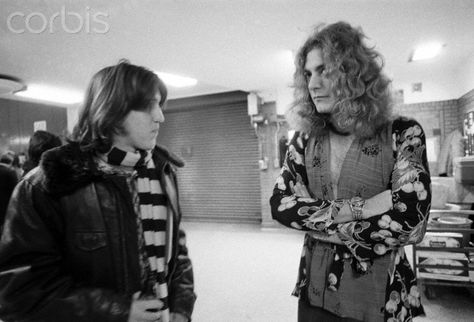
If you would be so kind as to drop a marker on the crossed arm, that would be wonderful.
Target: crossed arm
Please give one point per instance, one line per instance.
(391, 219)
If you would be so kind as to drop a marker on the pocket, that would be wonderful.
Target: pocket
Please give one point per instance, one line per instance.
(90, 241)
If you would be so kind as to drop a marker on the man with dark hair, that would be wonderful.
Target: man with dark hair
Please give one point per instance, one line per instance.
(94, 234)
(40, 142)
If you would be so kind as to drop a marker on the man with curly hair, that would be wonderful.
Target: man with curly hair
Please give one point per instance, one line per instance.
(360, 188)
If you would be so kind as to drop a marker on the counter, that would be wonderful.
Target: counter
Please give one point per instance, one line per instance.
(446, 189)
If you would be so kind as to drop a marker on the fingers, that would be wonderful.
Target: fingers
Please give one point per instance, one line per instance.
(152, 304)
(305, 192)
(149, 316)
(296, 188)
(136, 296)
(300, 190)
(145, 309)
(292, 187)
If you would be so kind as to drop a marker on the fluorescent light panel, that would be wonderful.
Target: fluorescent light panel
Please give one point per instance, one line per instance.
(51, 94)
(426, 51)
(176, 80)
(66, 96)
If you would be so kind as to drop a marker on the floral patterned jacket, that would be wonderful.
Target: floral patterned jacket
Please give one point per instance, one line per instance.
(370, 238)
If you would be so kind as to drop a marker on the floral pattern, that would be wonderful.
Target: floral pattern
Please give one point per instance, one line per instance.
(372, 150)
(371, 238)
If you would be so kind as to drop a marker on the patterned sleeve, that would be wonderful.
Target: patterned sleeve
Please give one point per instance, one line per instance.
(411, 196)
(291, 203)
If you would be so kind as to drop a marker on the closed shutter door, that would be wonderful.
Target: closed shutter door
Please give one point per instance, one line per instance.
(220, 181)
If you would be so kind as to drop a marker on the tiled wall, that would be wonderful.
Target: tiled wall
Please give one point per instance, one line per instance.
(437, 118)
(466, 104)
(452, 112)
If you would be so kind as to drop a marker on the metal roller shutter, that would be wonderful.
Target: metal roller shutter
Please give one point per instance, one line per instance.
(220, 181)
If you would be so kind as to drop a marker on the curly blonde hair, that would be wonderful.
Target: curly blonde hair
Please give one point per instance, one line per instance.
(363, 101)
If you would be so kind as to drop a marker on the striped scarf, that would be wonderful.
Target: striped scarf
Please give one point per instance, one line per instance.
(153, 214)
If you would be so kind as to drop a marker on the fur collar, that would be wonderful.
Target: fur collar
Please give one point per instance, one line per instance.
(67, 168)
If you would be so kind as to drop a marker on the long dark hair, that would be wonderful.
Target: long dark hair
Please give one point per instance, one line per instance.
(362, 91)
(113, 92)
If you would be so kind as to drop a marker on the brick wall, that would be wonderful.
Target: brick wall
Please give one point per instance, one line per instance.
(445, 113)
(438, 119)
(466, 104)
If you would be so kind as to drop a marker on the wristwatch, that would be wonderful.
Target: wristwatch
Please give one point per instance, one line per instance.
(357, 205)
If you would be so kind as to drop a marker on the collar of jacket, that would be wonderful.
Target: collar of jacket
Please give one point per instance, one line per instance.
(68, 168)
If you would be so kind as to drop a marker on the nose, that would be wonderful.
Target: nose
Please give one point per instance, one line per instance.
(315, 81)
(157, 115)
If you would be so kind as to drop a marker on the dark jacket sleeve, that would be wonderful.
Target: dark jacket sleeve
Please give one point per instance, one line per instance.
(182, 296)
(291, 203)
(34, 281)
(411, 196)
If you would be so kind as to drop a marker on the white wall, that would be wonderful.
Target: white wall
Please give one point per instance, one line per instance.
(72, 116)
(466, 74)
(434, 88)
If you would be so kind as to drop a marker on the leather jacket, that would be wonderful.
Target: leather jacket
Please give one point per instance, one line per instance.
(69, 248)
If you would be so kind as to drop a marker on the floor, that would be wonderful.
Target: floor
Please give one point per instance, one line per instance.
(246, 273)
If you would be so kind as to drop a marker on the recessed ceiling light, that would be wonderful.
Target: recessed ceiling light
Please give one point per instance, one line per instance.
(10, 84)
(176, 80)
(426, 51)
(51, 94)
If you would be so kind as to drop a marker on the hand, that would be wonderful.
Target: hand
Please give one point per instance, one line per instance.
(344, 214)
(378, 204)
(374, 206)
(299, 190)
(140, 309)
(178, 317)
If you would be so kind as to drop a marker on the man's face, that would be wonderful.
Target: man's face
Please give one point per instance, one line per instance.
(319, 85)
(140, 128)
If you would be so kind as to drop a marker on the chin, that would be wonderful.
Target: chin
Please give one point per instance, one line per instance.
(149, 146)
(323, 109)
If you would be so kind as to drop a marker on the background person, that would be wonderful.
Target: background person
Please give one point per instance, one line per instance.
(8, 181)
(356, 179)
(17, 164)
(40, 142)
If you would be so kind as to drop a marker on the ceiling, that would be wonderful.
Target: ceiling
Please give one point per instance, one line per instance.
(227, 45)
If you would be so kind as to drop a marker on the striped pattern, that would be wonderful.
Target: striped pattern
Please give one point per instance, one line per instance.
(153, 205)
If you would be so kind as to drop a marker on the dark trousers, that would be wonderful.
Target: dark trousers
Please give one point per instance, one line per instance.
(308, 313)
